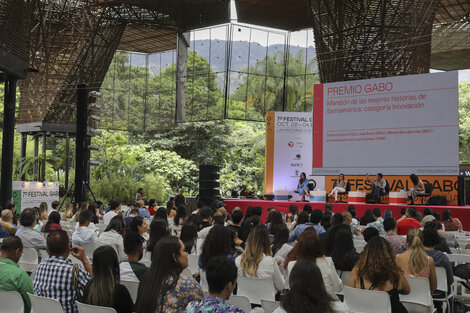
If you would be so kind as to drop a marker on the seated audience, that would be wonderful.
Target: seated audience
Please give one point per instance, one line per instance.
(415, 262)
(446, 239)
(218, 242)
(237, 219)
(307, 208)
(307, 293)
(280, 238)
(252, 217)
(68, 212)
(384, 275)
(180, 216)
(309, 248)
(43, 211)
(143, 212)
(291, 215)
(256, 261)
(408, 222)
(337, 219)
(53, 223)
(132, 213)
(163, 289)
(326, 220)
(54, 207)
(114, 209)
(7, 227)
(95, 213)
(450, 223)
(348, 220)
(188, 236)
(131, 269)
(139, 226)
(83, 208)
(104, 289)
(378, 221)
(84, 234)
(344, 254)
(152, 207)
(427, 216)
(221, 277)
(13, 278)
(158, 230)
(315, 219)
(275, 219)
(430, 240)
(54, 276)
(161, 213)
(206, 215)
(329, 240)
(367, 218)
(30, 237)
(11, 206)
(369, 232)
(112, 236)
(397, 243)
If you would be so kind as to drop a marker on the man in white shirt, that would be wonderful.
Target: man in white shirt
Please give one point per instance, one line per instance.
(115, 208)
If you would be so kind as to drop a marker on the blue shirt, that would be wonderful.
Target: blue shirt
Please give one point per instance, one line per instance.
(144, 213)
(298, 230)
(5, 233)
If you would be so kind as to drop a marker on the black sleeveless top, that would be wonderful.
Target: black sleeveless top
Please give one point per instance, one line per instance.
(397, 307)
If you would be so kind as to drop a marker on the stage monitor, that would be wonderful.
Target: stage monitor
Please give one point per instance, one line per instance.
(395, 126)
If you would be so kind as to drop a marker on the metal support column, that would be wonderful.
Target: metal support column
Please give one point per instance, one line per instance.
(24, 141)
(67, 166)
(80, 192)
(6, 180)
(43, 164)
(36, 161)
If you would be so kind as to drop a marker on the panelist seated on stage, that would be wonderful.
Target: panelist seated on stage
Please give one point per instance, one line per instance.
(302, 186)
(339, 187)
(378, 186)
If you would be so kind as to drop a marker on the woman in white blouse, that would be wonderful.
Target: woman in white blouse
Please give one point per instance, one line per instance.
(112, 236)
(309, 248)
(256, 260)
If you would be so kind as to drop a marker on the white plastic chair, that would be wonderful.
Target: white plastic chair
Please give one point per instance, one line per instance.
(43, 254)
(147, 256)
(366, 301)
(464, 251)
(256, 289)
(87, 308)
(89, 248)
(29, 259)
(419, 299)
(193, 263)
(269, 306)
(455, 250)
(11, 302)
(42, 304)
(344, 275)
(74, 259)
(459, 258)
(203, 282)
(132, 287)
(441, 276)
(240, 302)
(359, 248)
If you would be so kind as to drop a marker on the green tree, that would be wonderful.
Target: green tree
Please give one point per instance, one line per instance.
(464, 122)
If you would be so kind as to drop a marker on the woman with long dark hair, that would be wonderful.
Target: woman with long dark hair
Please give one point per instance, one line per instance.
(339, 187)
(53, 223)
(180, 216)
(158, 230)
(378, 270)
(302, 186)
(188, 236)
(163, 288)
(307, 293)
(450, 223)
(112, 236)
(344, 254)
(218, 242)
(418, 188)
(104, 288)
(138, 225)
(367, 218)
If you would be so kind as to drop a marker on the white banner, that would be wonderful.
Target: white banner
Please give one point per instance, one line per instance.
(292, 151)
(397, 125)
(28, 194)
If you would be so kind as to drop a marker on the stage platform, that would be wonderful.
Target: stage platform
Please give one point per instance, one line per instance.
(460, 212)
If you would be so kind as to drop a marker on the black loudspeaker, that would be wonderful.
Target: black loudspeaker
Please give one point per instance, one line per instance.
(208, 182)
